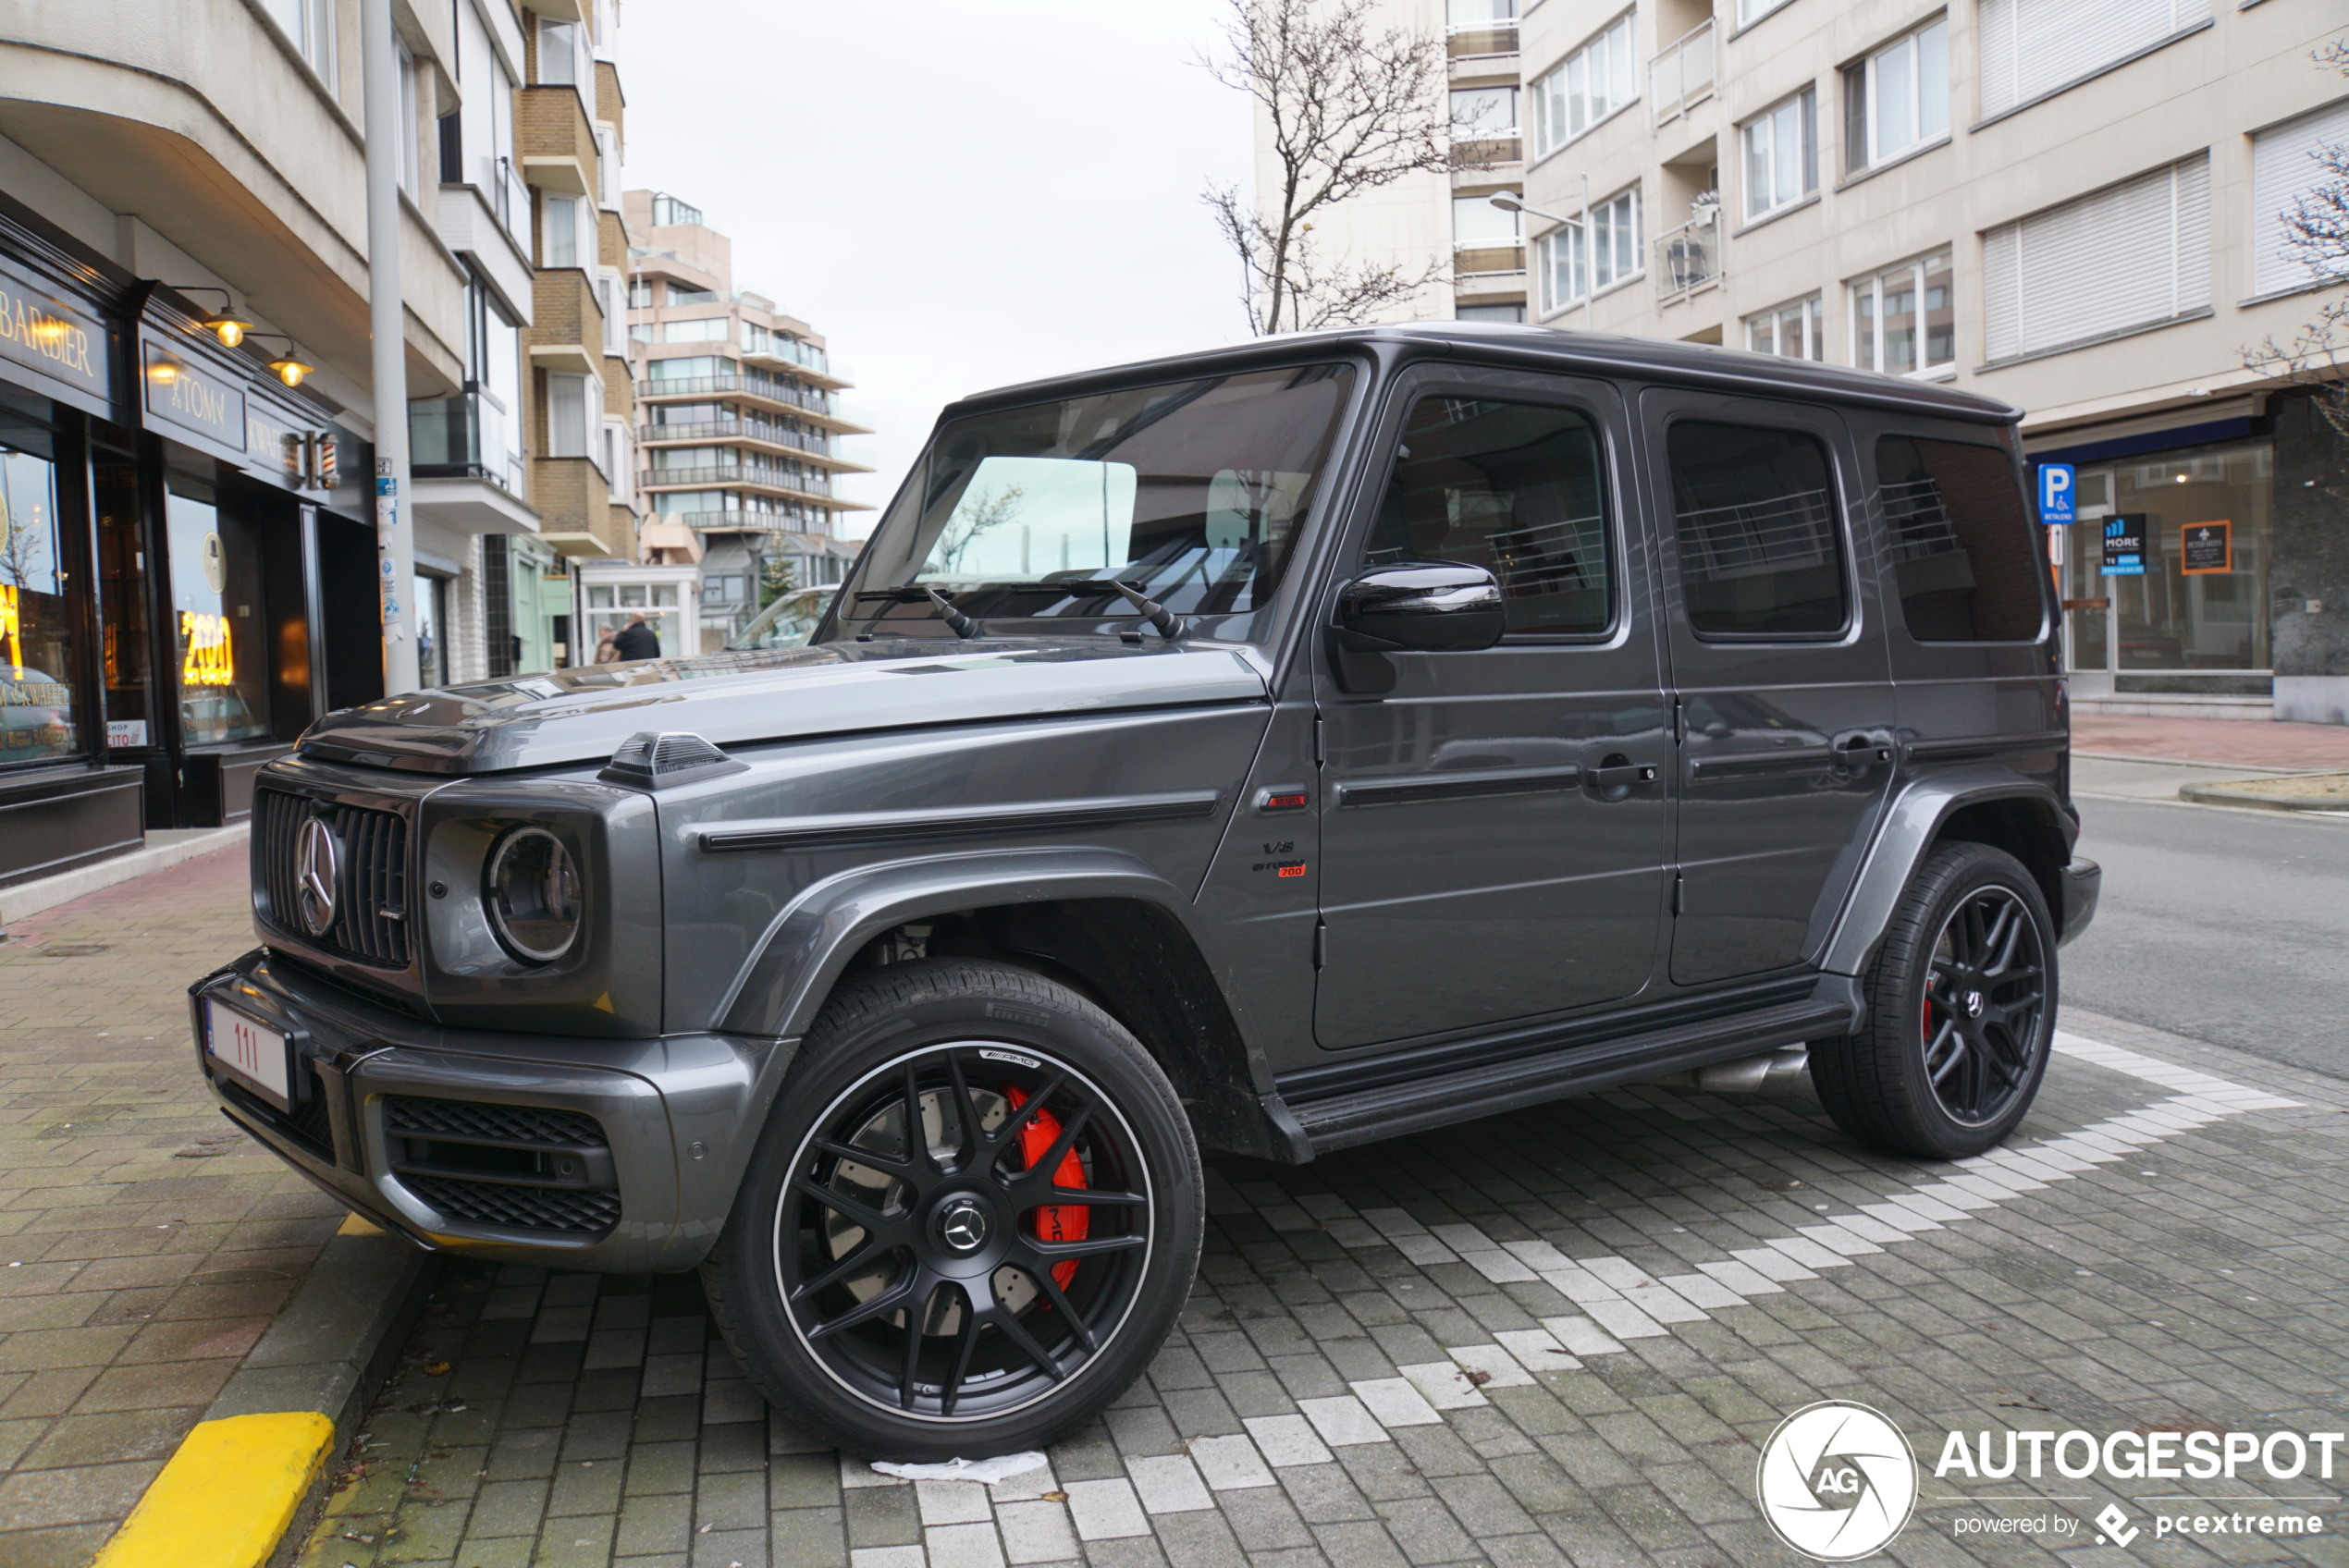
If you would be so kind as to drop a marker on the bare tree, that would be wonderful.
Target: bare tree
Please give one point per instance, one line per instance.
(1354, 107)
(2316, 230)
(974, 518)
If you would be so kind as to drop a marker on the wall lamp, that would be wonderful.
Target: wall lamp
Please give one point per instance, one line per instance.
(289, 370)
(224, 322)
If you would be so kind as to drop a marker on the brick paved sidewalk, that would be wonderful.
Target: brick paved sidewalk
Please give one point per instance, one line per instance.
(2246, 742)
(1554, 1338)
(144, 1244)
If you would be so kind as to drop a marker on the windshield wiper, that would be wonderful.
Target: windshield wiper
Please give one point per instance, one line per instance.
(923, 593)
(961, 624)
(1168, 624)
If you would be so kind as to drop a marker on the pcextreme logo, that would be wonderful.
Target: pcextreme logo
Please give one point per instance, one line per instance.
(1837, 1480)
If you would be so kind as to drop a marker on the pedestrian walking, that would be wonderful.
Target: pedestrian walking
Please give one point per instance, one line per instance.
(606, 652)
(636, 640)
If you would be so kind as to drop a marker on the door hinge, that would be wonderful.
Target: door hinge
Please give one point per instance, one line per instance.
(1321, 943)
(1679, 893)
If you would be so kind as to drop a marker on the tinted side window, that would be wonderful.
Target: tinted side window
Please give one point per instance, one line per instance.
(1963, 551)
(1515, 487)
(1760, 551)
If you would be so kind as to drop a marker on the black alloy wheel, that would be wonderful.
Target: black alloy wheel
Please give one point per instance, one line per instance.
(1961, 1004)
(1983, 998)
(966, 1228)
(969, 1222)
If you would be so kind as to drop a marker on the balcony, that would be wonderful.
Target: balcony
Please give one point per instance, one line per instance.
(466, 436)
(1487, 150)
(758, 432)
(1688, 259)
(1682, 76)
(566, 330)
(1470, 41)
(791, 519)
(753, 388)
(553, 142)
(1485, 261)
(736, 475)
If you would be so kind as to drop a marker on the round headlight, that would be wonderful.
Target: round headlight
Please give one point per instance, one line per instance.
(534, 895)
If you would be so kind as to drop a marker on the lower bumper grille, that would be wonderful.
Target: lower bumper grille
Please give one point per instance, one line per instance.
(524, 1208)
(309, 1124)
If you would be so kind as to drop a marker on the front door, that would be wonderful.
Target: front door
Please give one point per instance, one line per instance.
(1493, 823)
(1778, 668)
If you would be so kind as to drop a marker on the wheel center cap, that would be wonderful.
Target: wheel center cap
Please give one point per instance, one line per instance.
(1972, 1002)
(963, 1224)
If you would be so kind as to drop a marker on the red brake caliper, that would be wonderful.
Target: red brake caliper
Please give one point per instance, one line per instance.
(1054, 1221)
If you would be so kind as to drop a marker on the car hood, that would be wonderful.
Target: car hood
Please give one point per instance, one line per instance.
(584, 713)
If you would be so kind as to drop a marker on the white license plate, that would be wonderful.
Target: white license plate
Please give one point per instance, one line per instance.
(252, 1052)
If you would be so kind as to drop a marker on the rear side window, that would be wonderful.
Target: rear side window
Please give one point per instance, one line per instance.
(1516, 488)
(1754, 511)
(1963, 555)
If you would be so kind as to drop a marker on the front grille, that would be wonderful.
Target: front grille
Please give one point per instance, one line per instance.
(523, 1208)
(468, 1119)
(371, 885)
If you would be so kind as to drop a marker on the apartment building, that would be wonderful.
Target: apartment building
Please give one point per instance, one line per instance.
(188, 557)
(2072, 207)
(740, 436)
(1445, 224)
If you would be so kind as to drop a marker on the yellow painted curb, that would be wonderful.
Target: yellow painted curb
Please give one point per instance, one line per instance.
(228, 1496)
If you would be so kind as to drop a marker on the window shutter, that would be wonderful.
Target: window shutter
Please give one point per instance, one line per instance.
(2284, 168)
(2035, 46)
(2130, 254)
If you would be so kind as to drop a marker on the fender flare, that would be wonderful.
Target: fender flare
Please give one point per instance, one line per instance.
(1909, 827)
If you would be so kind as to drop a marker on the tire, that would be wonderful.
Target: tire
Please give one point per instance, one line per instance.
(1961, 1004)
(844, 1235)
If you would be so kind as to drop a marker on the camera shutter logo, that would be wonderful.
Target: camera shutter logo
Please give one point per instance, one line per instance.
(1837, 1480)
(317, 868)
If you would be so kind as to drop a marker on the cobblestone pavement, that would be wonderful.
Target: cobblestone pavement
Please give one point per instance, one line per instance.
(144, 1244)
(1552, 1338)
(2253, 742)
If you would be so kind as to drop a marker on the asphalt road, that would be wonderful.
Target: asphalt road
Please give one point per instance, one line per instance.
(2230, 926)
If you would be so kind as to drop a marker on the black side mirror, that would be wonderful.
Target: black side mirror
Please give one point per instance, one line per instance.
(1428, 606)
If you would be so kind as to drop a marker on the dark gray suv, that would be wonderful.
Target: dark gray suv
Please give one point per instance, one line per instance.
(1269, 750)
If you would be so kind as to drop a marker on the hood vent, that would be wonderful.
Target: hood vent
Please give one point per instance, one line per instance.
(649, 760)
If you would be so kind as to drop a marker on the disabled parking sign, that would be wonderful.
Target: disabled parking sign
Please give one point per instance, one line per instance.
(2056, 483)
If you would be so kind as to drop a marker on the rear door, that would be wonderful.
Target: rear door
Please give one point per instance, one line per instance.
(1777, 662)
(1494, 825)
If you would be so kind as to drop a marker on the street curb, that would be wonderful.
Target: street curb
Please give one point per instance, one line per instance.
(313, 1371)
(2234, 794)
(28, 899)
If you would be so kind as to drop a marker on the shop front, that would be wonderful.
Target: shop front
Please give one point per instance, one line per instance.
(184, 585)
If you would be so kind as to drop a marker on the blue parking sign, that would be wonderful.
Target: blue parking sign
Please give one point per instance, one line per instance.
(2055, 481)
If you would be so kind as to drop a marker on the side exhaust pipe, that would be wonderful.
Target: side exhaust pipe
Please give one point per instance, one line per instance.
(1783, 1072)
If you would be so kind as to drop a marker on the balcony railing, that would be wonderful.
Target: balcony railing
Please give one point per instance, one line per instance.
(766, 387)
(1682, 76)
(807, 483)
(466, 436)
(738, 430)
(1688, 258)
(792, 351)
(509, 197)
(796, 519)
(1472, 39)
(1478, 260)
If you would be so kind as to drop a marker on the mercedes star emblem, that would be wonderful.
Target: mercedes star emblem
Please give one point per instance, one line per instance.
(963, 1225)
(1973, 1004)
(317, 872)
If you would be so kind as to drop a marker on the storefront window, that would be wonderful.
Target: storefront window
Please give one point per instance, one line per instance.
(2198, 611)
(215, 602)
(432, 652)
(122, 582)
(613, 604)
(37, 668)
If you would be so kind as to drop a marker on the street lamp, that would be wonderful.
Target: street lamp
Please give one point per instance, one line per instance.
(1510, 203)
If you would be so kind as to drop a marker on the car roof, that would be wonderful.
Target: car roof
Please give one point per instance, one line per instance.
(1510, 346)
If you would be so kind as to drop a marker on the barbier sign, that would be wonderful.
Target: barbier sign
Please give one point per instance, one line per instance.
(43, 334)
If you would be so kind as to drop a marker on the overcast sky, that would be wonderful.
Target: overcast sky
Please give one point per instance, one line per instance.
(957, 193)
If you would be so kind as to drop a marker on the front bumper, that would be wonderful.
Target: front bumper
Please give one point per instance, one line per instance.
(2082, 881)
(578, 1153)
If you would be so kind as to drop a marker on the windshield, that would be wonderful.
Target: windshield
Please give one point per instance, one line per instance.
(786, 623)
(1192, 493)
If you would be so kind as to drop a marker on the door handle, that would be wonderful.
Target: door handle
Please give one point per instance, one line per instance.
(1615, 776)
(1858, 751)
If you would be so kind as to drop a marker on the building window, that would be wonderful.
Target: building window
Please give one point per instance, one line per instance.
(640, 294)
(311, 25)
(2132, 255)
(2032, 48)
(1782, 155)
(608, 287)
(1468, 15)
(1589, 85)
(432, 616)
(38, 661)
(1490, 312)
(1897, 98)
(566, 415)
(2286, 167)
(667, 210)
(607, 167)
(220, 625)
(709, 329)
(558, 54)
(1478, 224)
(559, 244)
(1903, 319)
(685, 294)
(1571, 264)
(1794, 331)
(1751, 11)
(1484, 114)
